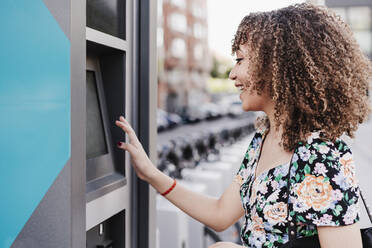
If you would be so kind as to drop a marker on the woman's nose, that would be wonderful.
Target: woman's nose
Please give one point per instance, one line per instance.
(232, 75)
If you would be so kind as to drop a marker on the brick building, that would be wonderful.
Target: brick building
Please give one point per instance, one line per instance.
(183, 57)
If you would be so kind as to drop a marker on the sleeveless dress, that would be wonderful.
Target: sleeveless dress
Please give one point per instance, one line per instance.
(324, 191)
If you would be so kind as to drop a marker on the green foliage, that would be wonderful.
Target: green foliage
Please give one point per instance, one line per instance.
(219, 69)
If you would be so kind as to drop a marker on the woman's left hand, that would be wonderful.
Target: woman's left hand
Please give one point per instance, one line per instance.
(225, 245)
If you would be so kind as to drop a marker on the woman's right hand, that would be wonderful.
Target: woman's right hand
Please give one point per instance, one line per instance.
(142, 164)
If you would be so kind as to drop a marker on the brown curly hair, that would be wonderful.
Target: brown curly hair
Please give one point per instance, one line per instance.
(307, 60)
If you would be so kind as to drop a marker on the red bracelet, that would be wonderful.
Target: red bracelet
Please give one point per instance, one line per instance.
(170, 189)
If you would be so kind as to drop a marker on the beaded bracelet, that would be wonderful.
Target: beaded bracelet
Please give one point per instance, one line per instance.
(170, 189)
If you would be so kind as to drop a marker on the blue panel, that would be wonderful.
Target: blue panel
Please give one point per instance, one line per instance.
(34, 109)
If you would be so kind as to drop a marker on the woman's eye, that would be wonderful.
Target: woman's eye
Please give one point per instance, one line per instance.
(238, 60)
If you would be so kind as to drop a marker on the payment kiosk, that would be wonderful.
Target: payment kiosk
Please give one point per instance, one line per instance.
(70, 68)
(113, 89)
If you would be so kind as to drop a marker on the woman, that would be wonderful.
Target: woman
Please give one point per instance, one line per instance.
(301, 66)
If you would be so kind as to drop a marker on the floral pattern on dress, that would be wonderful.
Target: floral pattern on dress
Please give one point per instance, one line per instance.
(324, 191)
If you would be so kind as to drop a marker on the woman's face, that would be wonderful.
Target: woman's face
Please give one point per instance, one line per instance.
(239, 74)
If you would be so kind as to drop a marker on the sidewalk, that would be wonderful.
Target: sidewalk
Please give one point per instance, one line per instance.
(361, 147)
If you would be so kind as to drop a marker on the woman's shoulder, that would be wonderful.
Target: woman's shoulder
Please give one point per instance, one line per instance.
(326, 158)
(328, 167)
(317, 143)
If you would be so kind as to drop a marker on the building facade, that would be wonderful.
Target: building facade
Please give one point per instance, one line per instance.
(358, 14)
(183, 56)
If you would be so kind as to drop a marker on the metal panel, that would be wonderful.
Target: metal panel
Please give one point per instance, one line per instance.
(146, 108)
(133, 115)
(78, 150)
(106, 206)
(153, 87)
(105, 39)
(112, 50)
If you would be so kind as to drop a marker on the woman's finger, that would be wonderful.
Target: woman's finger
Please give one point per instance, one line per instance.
(125, 122)
(129, 131)
(125, 146)
(123, 119)
(122, 126)
(125, 127)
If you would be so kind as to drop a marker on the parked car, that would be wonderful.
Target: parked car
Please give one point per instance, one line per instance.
(162, 121)
(193, 114)
(167, 120)
(235, 109)
(212, 110)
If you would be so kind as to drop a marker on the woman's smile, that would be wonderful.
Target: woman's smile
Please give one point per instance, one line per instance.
(241, 88)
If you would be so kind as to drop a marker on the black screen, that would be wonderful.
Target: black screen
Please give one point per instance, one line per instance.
(107, 16)
(95, 136)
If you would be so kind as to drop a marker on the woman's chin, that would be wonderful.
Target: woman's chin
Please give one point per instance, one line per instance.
(245, 107)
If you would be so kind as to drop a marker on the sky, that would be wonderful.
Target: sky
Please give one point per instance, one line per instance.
(225, 16)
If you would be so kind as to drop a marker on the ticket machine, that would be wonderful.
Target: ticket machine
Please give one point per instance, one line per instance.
(70, 68)
(112, 90)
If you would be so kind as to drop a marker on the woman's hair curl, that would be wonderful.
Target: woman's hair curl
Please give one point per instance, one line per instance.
(307, 60)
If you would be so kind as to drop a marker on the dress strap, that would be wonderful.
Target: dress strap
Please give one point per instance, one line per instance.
(292, 225)
(366, 205)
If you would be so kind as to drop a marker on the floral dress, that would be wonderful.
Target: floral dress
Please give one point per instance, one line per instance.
(324, 191)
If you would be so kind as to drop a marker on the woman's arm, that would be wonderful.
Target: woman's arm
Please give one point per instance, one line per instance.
(217, 214)
(340, 236)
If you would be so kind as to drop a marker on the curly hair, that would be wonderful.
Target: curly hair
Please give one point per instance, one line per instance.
(308, 61)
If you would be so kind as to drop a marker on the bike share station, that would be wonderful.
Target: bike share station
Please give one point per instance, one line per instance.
(204, 159)
(92, 61)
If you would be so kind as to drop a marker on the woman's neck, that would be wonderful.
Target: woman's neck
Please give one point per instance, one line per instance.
(273, 134)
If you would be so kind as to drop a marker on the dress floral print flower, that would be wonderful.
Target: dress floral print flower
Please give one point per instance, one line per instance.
(324, 191)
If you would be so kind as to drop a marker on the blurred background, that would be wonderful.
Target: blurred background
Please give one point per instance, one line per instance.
(194, 46)
(201, 125)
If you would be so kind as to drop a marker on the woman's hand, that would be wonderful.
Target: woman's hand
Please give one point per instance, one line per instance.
(141, 162)
(225, 245)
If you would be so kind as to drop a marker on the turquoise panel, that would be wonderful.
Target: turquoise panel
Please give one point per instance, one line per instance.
(34, 110)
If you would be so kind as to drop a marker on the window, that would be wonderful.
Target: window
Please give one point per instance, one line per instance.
(360, 21)
(341, 12)
(175, 76)
(364, 39)
(198, 52)
(178, 22)
(359, 18)
(197, 10)
(178, 48)
(179, 3)
(198, 30)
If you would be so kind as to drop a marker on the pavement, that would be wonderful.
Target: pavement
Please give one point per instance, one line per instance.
(362, 153)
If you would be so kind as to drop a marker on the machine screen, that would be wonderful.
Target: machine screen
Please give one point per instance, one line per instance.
(95, 135)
